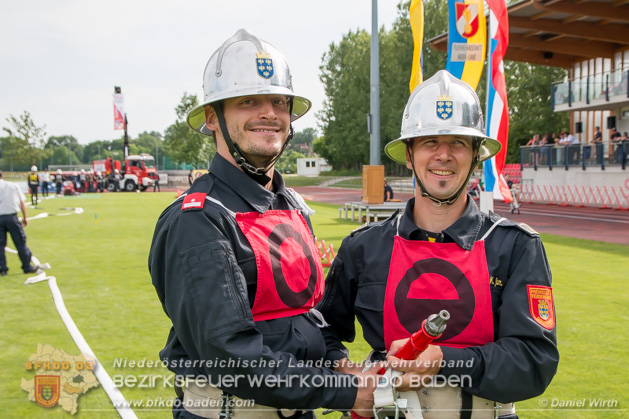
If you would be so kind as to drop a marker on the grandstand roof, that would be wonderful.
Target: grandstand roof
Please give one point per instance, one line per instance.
(557, 33)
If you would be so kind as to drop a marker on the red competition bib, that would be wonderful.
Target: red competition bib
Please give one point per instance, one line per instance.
(290, 276)
(428, 277)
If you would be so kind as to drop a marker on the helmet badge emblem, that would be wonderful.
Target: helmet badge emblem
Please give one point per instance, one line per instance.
(444, 107)
(264, 64)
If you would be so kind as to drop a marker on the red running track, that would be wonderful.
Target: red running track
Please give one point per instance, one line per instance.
(606, 225)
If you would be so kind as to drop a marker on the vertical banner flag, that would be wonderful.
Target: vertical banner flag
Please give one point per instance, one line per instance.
(118, 111)
(467, 40)
(416, 17)
(497, 106)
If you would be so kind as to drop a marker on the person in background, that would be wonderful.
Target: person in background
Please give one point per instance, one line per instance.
(33, 184)
(388, 191)
(442, 252)
(615, 135)
(156, 184)
(13, 200)
(534, 141)
(45, 181)
(598, 137)
(100, 181)
(59, 181)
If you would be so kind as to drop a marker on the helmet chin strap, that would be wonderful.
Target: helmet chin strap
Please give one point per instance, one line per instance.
(452, 198)
(256, 173)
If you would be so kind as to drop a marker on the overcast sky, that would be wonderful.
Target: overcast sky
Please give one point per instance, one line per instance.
(60, 60)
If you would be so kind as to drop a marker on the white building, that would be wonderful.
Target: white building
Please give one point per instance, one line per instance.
(311, 166)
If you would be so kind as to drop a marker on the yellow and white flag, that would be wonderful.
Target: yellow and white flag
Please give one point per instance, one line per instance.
(416, 16)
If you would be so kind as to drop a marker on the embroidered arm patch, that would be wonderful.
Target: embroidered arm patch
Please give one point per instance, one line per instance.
(541, 305)
(193, 201)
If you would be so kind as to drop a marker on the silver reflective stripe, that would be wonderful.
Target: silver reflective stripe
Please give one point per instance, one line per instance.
(397, 224)
(220, 204)
(319, 319)
(492, 228)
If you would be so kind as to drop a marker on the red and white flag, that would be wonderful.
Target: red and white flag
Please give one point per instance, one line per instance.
(497, 105)
(118, 111)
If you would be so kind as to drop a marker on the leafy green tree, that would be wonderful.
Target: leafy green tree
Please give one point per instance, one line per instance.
(25, 145)
(530, 112)
(96, 150)
(60, 155)
(288, 162)
(305, 136)
(345, 77)
(182, 143)
(75, 155)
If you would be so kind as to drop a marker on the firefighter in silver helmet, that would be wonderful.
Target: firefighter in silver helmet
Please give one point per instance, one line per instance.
(233, 259)
(442, 252)
(246, 74)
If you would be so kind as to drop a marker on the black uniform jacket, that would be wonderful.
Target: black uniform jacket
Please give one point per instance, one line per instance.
(204, 271)
(523, 358)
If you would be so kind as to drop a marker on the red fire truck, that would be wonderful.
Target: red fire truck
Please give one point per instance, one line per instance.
(137, 172)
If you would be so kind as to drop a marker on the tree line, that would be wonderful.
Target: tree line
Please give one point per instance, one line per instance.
(345, 75)
(26, 144)
(344, 140)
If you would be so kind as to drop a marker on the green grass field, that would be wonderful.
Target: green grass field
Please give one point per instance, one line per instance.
(100, 261)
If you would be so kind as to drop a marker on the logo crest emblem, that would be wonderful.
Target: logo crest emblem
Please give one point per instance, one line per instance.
(264, 65)
(444, 107)
(47, 389)
(541, 305)
(466, 19)
(542, 308)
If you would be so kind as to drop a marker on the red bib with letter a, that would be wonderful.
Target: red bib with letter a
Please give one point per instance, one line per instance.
(290, 275)
(425, 278)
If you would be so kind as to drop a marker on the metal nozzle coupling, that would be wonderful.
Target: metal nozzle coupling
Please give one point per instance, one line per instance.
(436, 323)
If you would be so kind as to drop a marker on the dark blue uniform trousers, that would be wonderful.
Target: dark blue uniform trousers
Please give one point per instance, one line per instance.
(10, 223)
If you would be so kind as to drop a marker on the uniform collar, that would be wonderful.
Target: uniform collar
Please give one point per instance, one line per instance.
(463, 231)
(247, 189)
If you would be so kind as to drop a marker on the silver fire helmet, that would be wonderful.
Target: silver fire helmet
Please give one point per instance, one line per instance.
(443, 105)
(245, 65)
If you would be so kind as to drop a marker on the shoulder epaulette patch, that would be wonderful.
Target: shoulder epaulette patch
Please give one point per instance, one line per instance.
(528, 229)
(193, 201)
(512, 223)
(359, 229)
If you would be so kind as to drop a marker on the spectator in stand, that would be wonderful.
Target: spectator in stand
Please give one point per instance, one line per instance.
(45, 181)
(615, 135)
(573, 149)
(563, 139)
(598, 137)
(534, 141)
(615, 140)
(547, 141)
